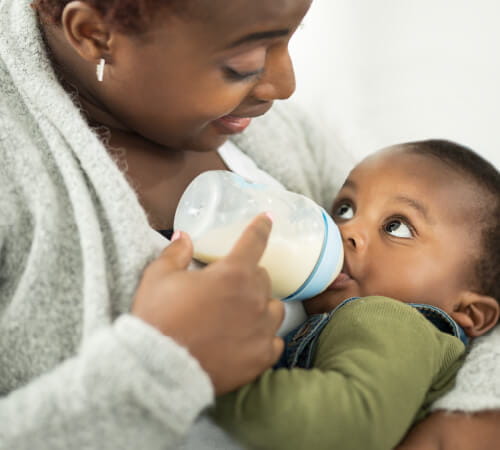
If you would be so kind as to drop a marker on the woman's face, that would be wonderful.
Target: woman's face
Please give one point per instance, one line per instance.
(191, 81)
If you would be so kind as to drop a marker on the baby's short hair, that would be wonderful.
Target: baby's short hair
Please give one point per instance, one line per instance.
(486, 178)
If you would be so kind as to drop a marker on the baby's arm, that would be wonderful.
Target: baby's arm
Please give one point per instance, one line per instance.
(475, 401)
(374, 364)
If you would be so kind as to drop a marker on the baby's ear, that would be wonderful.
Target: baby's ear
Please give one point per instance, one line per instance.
(476, 313)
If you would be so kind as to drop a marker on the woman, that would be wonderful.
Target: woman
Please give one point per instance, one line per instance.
(93, 346)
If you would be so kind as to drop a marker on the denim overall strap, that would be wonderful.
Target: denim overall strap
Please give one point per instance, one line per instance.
(442, 321)
(300, 343)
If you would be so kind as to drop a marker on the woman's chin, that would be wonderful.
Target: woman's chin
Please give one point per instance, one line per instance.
(207, 143)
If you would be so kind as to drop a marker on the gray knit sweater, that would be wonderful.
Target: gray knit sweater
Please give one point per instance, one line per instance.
(76, 370)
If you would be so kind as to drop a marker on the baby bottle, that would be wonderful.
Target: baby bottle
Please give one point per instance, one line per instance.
(304, 253)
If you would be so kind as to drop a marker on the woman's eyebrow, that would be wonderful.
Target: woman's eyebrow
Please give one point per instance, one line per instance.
(416, 205)
(261, 35)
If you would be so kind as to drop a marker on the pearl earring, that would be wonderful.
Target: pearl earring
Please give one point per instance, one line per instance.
(100, 70)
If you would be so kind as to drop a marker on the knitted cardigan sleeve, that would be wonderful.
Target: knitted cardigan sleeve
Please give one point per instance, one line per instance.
(126, 387)
(477, 386)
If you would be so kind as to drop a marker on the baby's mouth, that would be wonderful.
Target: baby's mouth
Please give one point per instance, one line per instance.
(341, 281)
(343, 278)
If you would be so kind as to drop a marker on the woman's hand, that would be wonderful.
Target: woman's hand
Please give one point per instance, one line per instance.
(223, 314)
(455, 431)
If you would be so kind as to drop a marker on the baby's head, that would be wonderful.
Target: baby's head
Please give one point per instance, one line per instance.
(421, 223)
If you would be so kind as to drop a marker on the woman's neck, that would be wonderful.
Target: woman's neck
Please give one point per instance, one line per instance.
(158, 175)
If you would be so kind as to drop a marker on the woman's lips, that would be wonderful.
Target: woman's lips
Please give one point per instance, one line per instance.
(231, 124)
(341, 281)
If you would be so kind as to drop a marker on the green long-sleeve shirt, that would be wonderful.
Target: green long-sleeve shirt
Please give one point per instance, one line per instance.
(378, 366)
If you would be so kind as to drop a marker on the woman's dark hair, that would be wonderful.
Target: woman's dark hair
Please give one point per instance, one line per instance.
(126, 15)
(486, 178)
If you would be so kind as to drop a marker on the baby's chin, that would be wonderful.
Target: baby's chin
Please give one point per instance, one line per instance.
(327, 301)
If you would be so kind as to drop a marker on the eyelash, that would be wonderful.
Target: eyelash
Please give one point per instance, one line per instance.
(233, 75)
(401, 218)
(404, 220)
(340, 203)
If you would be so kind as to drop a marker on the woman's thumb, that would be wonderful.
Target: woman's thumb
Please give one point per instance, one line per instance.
(178, 254)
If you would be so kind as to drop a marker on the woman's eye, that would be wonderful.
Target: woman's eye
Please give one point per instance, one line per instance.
(234, 75)
(344, 211)
(398, 228)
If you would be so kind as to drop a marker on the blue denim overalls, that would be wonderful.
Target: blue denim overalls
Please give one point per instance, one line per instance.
(301, 342)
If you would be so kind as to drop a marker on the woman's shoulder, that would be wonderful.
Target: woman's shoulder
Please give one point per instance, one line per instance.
(285, 125)
(286, 143)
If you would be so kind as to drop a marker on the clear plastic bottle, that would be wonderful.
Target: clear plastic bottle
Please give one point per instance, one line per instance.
(304, 253)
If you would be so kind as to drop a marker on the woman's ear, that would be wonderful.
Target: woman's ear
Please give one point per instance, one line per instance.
(86, 31)
(476, 313)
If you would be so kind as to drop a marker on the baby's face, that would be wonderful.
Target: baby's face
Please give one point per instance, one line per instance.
(404, 220)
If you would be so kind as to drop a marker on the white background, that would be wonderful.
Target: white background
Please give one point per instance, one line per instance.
(379, 72)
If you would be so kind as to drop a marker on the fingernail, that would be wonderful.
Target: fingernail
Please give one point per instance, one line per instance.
(270, 216)
(175, 236)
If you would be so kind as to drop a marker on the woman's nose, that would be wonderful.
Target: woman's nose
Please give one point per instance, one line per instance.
(278, 80)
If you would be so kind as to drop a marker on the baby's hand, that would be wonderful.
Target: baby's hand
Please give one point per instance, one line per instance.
(223, 314)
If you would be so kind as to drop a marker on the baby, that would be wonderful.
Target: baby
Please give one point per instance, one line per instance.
(421, 231)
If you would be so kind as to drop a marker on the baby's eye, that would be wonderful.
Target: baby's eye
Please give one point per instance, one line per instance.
(344, 211)
(397, 228)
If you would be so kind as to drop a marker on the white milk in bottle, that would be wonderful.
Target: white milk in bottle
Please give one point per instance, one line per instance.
(304, 253)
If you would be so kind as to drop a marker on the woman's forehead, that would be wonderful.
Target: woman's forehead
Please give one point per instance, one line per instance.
(221, 25)
(250, 8)
(236, 15)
